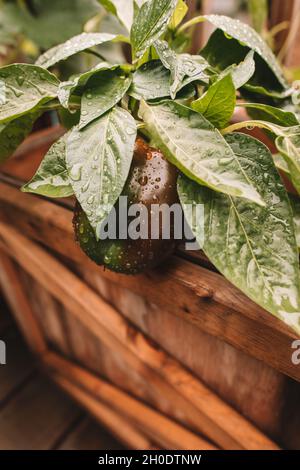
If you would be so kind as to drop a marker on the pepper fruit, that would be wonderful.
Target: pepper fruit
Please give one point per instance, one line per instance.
(151, 180)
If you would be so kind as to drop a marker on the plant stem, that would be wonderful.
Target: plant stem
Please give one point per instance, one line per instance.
(96, 54)
(190, 23)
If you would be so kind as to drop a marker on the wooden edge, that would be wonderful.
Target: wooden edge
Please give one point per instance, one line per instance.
(38, 139)
(166, 432)
(18, 302)
(208, 413)
(202, 297)
(117, 424)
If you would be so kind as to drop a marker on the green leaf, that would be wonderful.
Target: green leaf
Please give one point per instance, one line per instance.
(287, 143)
(184, 68)
(192, 144)
(218, 103)
(98, 161)
(51, 178)
(13, 133)
(150, 81)
(24, 88)
(66, 89)
(178, 15)
(223, 51)
(123, 9)
(259, 14)
(295, 203)
(73, 46)
(281, 164)
(103, 92)
(242, 72)
(150, 24)
(254, 247)
(251, 39)
(269, 92)
(289, 147)
(271, 114)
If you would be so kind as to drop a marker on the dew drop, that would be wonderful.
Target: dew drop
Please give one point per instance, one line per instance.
(75, 172)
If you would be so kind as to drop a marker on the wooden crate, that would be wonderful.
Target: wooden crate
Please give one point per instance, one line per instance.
(176, 358)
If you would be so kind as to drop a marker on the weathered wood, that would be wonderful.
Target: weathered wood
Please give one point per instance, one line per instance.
(88, 436)
(19, 367)
(200, 296)
(249, 385)
(39, 425)
(17, 299)
(123, 430)
(166, 432)
(49, 314)
(200, 408)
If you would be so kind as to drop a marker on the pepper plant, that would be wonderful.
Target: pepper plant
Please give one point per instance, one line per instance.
(182, 105)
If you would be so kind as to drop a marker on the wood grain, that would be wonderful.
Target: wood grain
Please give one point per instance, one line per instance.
(17, 299)
(88, 436)
(163, 430)
(200, 296)
(121, 428)
(201, 408)
(39, 425)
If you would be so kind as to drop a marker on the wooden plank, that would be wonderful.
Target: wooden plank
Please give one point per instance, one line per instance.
(202, 297)
(201, 408)
(166, 432)
(20, 364)
(89, 436)
(49, 314)
(119, 426)
(20, 307)
(36, 417)
(250, 386)
(5, 317)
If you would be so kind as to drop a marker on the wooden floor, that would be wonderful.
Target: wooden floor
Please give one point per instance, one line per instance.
(34, 413)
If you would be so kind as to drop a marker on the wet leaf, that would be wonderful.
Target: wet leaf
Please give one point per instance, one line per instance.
(73, 46)
(103, 92)
(184, 68)
(251, 39)
(222, 51)
(196, 147)
(295, 203)
(66, 89)
(289, 147)
(123, 9)
(13, 133)
(98, 161)
(178, 15)
(218, 103)
(150, 24)
(242, 72)
(253, 247)
(150, 81)
(24, 88)
(51, 178)
(271, 114)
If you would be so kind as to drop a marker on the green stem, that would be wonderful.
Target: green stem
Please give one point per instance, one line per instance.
(96, 54)
(190, 23)
(278, 130)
